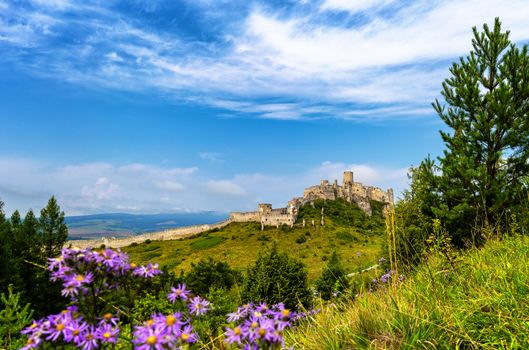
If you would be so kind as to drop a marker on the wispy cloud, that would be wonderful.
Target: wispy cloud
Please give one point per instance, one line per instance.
(304, 63)
(142, 188)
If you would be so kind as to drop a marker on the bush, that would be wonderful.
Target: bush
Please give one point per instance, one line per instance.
(275, 277)
(301, 240)
(333, 278)
(208, 274)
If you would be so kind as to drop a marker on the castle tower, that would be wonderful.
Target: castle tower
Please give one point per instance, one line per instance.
(265, 208)
(347, 178)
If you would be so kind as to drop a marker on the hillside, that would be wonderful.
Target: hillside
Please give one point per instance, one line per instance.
(482, 304)
(348, 230)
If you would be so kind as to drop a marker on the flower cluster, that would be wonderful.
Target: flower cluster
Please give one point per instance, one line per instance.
(260, 325)
(69, 327)
(386, 279)
(78, 269)
(164, 332)
(89, 275)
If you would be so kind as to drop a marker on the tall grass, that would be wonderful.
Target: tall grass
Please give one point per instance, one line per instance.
(481, 304)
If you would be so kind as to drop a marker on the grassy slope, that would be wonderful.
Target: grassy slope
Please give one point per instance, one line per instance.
(484, 304)
(347, 230)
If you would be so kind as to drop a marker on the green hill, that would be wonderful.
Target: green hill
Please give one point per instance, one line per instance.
(354, 235)
(481, 303)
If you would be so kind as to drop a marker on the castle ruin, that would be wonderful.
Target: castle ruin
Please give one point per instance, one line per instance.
(350, 191)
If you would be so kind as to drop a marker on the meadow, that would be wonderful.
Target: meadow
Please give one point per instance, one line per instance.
(358, 244)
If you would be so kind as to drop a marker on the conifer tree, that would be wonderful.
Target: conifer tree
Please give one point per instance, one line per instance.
(486, 111)
(53, 229)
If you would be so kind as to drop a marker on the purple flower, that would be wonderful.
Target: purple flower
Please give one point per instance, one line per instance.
(385, 277)
(148, 271)
(198, 306)
(187, 335)
(75, 332)
(147, 337)
(233, 335)
(382, 260)
(179, 292)
(171, 323)
(107, 333)
(89, 339)
(108, 318)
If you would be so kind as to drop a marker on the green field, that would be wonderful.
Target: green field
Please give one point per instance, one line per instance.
(358, 240)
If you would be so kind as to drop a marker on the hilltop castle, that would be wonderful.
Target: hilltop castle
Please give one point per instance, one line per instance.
(350, 191)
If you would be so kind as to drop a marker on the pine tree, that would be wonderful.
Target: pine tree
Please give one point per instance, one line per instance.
(487, 111)
(7, 267)
(13, 318)
(53, 229)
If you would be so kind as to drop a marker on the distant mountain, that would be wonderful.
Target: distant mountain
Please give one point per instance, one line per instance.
(121, 225)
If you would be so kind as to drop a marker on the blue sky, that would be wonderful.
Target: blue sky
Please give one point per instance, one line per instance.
(160, 106)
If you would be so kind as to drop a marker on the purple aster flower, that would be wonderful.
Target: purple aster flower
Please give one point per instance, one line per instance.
(198, 306)
(89, 339)
(385, 277)
(32, 343)
(179, 292)
(109, 318)
(57, 329)
(171, 323)
(233, 335)
(235, 316)
(187, 335)
(148, 271)
(147, 338)
(107, 333)
(382, 260)
(77, 280)
(75, 331)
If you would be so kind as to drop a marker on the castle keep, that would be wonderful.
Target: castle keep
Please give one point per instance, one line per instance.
(349, 190)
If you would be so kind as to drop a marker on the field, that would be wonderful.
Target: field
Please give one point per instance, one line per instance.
(240, 243)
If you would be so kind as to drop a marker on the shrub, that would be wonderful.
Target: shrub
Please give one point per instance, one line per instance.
(301, 240)
(333, 278)
(275, 277)
(208, 274)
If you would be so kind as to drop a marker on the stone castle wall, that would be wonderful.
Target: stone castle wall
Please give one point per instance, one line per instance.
(350, 191)
(166, 235)
(245, 217)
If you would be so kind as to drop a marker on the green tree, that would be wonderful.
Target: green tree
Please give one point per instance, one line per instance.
(208, 274)
(487, 113)
(53, 229)
(13, 318)
(275, 277)
(7, 265)
(414, 213)
(333, 278)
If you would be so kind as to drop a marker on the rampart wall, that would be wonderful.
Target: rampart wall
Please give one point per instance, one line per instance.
(165, 235)
(245, 217)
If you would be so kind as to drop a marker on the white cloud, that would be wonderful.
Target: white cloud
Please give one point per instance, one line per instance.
(214, 157)
(225, 187)
(317, 66)
(103, 187)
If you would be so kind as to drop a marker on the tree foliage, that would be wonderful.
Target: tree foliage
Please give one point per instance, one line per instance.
(275, 277)
(210, 274)
(333, 278)
(485, 165)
